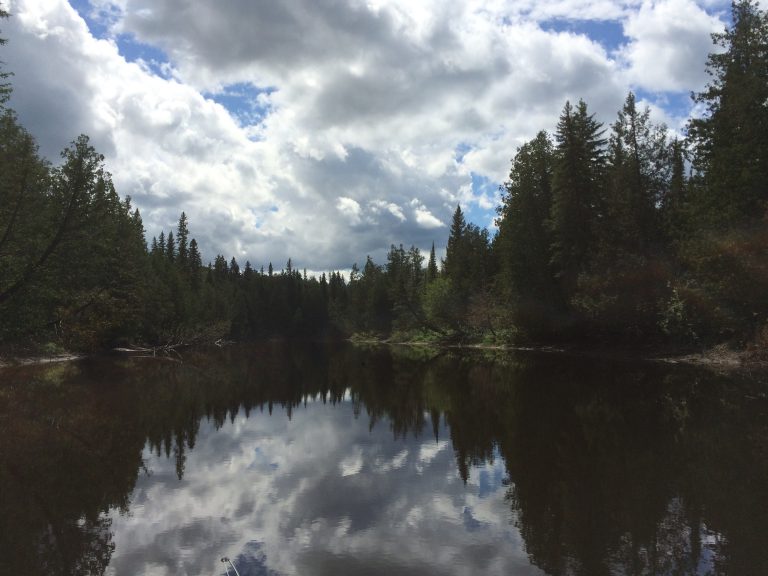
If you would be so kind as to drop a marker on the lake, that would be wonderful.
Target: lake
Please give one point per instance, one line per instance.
(309, 459)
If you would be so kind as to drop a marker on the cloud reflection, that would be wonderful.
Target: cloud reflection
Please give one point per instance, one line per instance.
(316, 494)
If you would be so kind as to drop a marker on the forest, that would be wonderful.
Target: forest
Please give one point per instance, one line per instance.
(606, 234)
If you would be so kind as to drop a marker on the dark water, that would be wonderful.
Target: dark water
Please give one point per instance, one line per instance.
(311, 460)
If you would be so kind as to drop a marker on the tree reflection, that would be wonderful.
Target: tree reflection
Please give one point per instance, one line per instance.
(611, 468)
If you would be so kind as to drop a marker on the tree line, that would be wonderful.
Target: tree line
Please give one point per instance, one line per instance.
(605, 233)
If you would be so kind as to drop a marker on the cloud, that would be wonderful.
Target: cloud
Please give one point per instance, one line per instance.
(350, 209)
(303, 129)
(424, 217)
(669, 41)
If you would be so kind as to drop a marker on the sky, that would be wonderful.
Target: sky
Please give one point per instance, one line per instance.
(328, 130)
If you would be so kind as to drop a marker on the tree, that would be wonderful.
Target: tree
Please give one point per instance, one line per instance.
(523, 241)
(455, 257)
(731, 140)
(195, 264)
(182, 235)
(432, 271)
(170, 247)
(576, 192)
(721, 233)
(674, 205)
(638, 174)
(405, 278)
(71, 192)
(72, 253)
(5, 87)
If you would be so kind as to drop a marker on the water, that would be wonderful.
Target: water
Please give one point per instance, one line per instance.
(310, 460)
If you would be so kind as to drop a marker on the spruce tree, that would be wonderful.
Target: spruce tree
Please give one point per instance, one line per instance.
(5, 87)
(170, 247)
(637, 178)
(182, 235)
(432, 271)
(731, 139)
(523, 241)
(674, 205)
(195, 264)
(455, 256)
(576, 192)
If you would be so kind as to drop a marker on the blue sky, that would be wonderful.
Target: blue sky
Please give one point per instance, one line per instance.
(328, 131)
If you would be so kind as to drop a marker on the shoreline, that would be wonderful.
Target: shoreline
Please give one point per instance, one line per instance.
(719, 357)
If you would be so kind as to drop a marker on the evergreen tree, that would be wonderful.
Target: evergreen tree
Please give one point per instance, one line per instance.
(638, 174)
(432, 271)
(522, 245)
(5, 87)
(674, 206)
(220, 268)
(182, 235)
(622, 281)
(170, 247)
(576, 192)
(195, 264)
(721, 245)
(731, 139)
(456, 255)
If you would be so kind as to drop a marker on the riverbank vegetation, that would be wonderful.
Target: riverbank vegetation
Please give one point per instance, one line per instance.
(606, 234)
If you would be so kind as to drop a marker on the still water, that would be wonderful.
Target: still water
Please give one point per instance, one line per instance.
(309, 460)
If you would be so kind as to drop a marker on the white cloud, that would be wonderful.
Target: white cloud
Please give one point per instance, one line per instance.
(423, 216)
(350, 209)
(368, 103)
(426, 219)
(378, 206)
(669, 43)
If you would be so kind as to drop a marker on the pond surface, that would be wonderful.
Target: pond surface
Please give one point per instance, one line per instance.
(308, 460)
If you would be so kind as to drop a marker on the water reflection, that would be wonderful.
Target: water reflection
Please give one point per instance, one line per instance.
(316, 460)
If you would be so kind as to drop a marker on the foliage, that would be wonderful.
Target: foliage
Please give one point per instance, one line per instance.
(5, 87)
